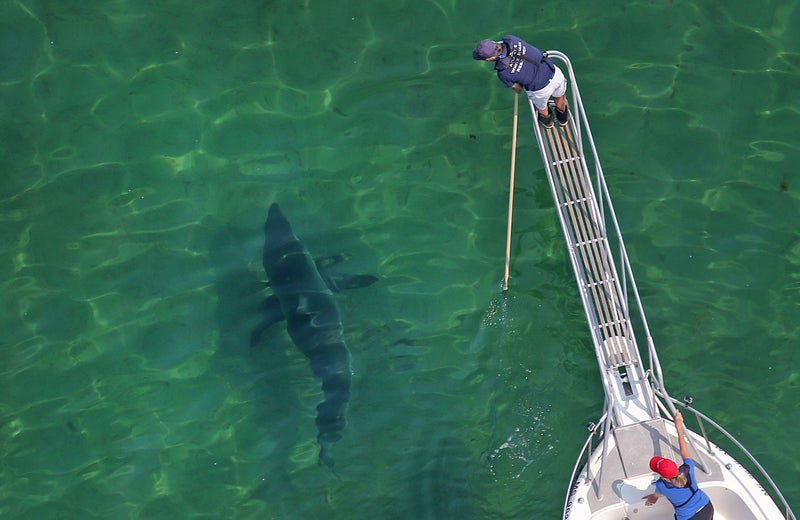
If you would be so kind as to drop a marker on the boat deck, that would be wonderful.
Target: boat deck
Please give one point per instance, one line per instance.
(626, 459)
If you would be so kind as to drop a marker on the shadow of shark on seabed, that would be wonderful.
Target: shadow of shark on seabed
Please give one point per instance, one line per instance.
(303, 295)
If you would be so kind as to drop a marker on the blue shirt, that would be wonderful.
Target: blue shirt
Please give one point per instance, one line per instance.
(524, 64)
(682, 500)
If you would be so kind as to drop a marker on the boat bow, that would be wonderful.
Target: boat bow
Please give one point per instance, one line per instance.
(612, 476)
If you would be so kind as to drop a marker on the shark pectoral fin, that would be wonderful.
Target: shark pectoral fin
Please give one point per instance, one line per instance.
(341, 282)
(272, 314)
(328, 261)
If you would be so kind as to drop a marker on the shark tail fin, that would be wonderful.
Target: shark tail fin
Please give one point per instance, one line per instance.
(326, 456)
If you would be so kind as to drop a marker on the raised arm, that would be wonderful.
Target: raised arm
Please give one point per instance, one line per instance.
(681, 438)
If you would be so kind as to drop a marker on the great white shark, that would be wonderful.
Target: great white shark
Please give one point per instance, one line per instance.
(303, 295)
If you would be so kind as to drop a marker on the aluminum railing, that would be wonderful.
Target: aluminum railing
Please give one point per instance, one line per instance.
(624, 277)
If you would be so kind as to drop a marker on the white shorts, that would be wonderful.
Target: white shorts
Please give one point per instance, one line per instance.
(557, 87)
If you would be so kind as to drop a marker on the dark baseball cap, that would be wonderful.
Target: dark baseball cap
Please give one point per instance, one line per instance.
(485, 49)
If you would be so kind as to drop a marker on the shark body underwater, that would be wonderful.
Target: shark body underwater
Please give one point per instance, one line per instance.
(303, 295)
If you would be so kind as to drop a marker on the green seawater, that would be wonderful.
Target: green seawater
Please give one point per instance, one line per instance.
(142, 142)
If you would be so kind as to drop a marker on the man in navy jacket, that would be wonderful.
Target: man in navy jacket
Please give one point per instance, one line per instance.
(520, 65)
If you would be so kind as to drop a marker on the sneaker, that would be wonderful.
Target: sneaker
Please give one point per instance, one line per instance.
(563, 117)
(546, 121)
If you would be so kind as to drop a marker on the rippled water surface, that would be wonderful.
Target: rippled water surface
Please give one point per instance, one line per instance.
(141, 144)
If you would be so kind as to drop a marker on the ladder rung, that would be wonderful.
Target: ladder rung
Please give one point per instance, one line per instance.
(575, 201)
(599, 283)
(566, 160)
(589, 242)
(621, 321)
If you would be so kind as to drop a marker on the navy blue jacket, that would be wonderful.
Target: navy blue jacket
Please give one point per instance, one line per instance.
(523, 64)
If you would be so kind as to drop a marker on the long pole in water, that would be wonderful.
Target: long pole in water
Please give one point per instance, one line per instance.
(511, 190)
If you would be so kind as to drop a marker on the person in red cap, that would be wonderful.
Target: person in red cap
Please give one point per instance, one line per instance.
(679, 485)
(520, 65)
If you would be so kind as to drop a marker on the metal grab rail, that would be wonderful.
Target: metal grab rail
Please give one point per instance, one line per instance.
(587, 449)
(700, 416)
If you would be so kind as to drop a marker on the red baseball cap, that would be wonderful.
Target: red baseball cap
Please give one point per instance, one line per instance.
(664, 467)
